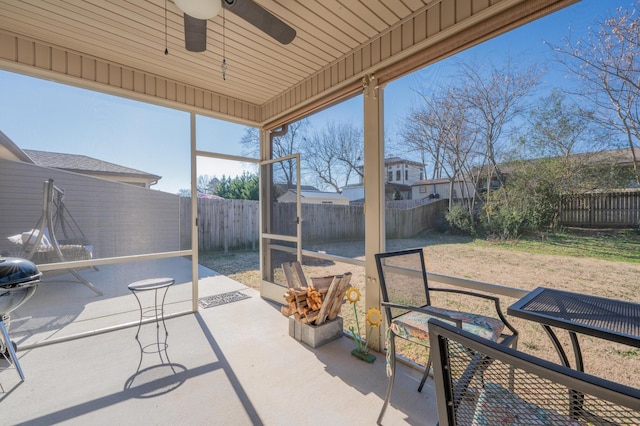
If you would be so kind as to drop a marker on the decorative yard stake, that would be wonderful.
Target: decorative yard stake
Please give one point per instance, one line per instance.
(373, 317)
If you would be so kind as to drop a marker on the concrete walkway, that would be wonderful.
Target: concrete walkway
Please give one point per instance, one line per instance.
(231, 364)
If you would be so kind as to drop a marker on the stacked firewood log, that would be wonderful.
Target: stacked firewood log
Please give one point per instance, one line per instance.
(313, 303)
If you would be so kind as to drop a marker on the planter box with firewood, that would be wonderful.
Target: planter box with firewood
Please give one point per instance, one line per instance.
(315, 335)
(313, 308)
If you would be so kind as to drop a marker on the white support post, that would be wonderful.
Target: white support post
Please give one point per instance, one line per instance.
(374, 194)
(194, 217)
(265, 214)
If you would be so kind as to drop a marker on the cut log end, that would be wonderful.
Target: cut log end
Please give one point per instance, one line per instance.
(314, 303)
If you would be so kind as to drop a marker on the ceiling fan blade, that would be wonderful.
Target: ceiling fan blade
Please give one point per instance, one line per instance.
(262, 19)
(195, 34)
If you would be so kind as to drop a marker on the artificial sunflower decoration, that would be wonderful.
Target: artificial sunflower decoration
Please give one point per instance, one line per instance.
(353, 295)
(373, 317)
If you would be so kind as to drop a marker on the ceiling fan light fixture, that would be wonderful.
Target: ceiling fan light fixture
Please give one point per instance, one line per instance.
(200, 9)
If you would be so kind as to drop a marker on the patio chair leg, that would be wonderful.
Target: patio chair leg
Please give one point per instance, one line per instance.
(426, 372)
(387, 398)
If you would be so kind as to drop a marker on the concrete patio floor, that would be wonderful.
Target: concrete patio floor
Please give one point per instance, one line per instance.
(231, 364)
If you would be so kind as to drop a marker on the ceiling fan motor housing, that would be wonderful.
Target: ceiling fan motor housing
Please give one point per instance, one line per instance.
(197, 12)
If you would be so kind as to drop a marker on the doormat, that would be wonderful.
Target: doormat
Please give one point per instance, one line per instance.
(221, 299)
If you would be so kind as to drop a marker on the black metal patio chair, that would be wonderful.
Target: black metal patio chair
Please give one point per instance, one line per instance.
(479, 382)
(407, 302)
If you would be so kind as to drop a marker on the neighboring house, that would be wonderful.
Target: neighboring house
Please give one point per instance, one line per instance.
(314, 197)
(354, 192)
(75, 163)
(392, 192)
(441, 188)
(401, 171)
(400, 174)
(281, 188)
(396, 191)
(209, 196)
(621, 158)
(95, 203)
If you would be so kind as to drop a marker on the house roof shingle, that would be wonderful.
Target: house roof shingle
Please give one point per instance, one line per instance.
(83, 164)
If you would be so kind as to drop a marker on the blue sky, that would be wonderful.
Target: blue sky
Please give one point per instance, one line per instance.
(42, 115)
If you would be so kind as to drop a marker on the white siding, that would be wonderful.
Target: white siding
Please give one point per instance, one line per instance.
(353, 193)
(420, 191)
(118, 219)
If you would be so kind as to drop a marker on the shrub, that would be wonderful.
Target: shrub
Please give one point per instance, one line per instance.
(509, 223)
(460, 220)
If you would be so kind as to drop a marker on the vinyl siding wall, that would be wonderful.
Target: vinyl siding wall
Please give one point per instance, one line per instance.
(118, 219)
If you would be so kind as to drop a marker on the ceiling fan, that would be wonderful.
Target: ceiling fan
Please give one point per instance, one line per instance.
(197, 12)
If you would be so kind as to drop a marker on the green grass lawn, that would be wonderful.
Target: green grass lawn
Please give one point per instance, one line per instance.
(623, 246)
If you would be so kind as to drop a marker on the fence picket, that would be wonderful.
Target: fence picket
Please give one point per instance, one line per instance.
(226, 225)
(601, 209)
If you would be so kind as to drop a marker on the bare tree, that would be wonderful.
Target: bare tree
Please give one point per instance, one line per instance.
(206, 184)
(351, 143)
(562, 144)
(334, 154)
(250, 141)
(440, 129)
(289, 143)
(607, 61)
(494, 96)
(559, 127)
(422, 137)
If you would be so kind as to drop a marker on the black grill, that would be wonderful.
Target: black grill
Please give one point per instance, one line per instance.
(19, 279)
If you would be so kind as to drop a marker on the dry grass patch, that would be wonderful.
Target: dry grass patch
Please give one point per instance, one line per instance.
(496, 264)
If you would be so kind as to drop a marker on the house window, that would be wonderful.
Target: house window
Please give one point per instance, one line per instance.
(406, 175)
(390, 177)
(421, 176)
(398, 175)
(423, 189)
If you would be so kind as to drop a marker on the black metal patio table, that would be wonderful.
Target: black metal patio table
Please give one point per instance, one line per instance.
(609, 319)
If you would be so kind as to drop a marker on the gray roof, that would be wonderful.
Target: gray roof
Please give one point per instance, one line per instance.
(285, 187)
(397, 160)
(392, 186)
(435, 181)
(83, 164)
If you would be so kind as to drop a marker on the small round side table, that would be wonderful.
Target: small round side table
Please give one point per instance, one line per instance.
(148, 285)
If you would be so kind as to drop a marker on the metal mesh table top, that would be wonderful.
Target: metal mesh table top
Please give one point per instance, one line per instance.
(598, 316)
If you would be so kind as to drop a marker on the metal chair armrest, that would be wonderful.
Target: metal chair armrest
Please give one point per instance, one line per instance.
(457, 322)
(465, 292)
(495, 300)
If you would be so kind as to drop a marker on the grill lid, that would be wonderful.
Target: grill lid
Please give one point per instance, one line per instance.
(14, 271)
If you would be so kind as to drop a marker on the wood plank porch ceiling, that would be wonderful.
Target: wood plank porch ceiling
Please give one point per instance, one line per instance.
(117, 46)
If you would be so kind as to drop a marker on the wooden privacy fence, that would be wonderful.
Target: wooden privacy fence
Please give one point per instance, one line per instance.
(320, 222)
(405, 223)
(601, 209)
(223, 225)
(234, 224)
